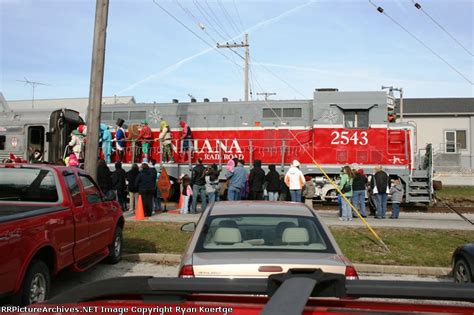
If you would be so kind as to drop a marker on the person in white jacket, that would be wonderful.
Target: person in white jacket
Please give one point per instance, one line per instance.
(294, 179)
(76, 143)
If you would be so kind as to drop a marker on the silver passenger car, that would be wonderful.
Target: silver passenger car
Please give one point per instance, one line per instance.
(248, 239)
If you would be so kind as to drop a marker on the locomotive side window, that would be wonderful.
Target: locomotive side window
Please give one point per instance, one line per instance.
(292, 112)
(106, 116)
(138, 115)
(271, 112)
(2, 142)
(122, 115)
(356, 118)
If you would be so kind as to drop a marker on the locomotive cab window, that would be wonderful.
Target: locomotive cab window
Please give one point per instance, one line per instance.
(2, 142)
(356, 118)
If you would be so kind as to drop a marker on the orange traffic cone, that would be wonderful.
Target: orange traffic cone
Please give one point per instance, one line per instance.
(139, 212)
(179, 206)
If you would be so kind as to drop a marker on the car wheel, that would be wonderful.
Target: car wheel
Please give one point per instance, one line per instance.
(36, 284)
(115, 249)
(461, 272)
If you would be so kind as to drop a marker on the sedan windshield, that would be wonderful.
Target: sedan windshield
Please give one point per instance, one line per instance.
(263, 233)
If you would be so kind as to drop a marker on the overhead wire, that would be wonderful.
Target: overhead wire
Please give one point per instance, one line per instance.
(419, 7)
(242, 27)
(205, 15)
(196, 20)
(216, 18)
(381, 10)
(190, 30)
(228, 17)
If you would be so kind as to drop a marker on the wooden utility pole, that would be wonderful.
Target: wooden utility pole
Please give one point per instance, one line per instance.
(245, 45)
(266, 94)
(95, 92)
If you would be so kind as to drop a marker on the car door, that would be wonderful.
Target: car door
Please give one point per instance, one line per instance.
(81, 216)
(99, 218)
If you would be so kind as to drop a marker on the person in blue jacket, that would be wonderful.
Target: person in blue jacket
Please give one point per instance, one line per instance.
(106, 142)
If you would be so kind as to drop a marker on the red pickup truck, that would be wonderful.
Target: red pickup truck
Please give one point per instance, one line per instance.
(51, 218)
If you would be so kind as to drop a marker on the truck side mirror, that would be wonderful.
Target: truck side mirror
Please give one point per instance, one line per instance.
(110, 196)
(188, 227)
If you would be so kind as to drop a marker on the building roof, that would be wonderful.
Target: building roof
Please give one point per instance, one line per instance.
(80, 104)
(436, 106)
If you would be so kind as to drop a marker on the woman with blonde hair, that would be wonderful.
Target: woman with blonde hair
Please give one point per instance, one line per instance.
(345, 186)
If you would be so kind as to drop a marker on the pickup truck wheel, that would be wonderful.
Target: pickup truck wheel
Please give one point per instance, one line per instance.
(36, 284)
(115, 249)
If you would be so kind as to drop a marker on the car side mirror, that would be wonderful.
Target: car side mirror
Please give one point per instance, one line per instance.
(110, 196)
(188, 227)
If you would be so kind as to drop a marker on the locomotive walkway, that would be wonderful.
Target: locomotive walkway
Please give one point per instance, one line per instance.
(417, 220)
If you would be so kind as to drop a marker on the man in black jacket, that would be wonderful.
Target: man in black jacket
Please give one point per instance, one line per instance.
(273, 183)
(132, 188)
(256, 180)
(119, 185)
(104, 177)
(380, 186)
(146, 182)
(198, 180)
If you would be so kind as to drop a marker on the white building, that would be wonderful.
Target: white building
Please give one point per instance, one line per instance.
(446, 123)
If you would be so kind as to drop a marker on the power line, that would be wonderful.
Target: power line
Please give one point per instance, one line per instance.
(215, 18)
(238, 17)
(190, 30)
(381, 10)
(203, 28)
(205, 16)
(418, 6)
(228, 17)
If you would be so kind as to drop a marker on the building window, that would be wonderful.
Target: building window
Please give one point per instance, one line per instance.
(292, 112)
(356, 118)
(271, 112)
(137, 115)
(455, 140)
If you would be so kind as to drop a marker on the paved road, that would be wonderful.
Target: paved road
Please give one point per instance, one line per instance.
(67, 280)
(446, 221)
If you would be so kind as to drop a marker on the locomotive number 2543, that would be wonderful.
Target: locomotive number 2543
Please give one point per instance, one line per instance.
(345, 137)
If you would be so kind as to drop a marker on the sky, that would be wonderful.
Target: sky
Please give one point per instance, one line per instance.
(295, 47)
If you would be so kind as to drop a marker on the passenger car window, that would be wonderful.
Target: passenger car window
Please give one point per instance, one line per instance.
(91, 190)
(263, 233)
(74, 190)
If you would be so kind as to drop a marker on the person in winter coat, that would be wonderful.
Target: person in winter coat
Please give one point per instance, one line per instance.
(72, 161)
(106, 142)
(309, 191)
(273, 183)
(212, 182)
(76, 143)
(380, 188)
(256, 180)
(397, 196)
(146, 182)
(187, 192)
(104, 177)
(165, 139)
(345, 186)
(237, 181)
(119, 177)
(145, 136)
(294, 179)
(132, 188)
(198, 180)
(358, 192)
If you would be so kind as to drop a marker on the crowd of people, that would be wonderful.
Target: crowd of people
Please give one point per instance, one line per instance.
(354, 184)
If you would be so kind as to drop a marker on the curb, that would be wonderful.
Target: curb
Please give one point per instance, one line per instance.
(173, 259)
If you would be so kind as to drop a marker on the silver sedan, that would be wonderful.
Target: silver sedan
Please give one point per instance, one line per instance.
(248, 239)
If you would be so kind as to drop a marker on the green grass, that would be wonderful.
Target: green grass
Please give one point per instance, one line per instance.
(154, 237)
(456, 193)
(409, 247)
